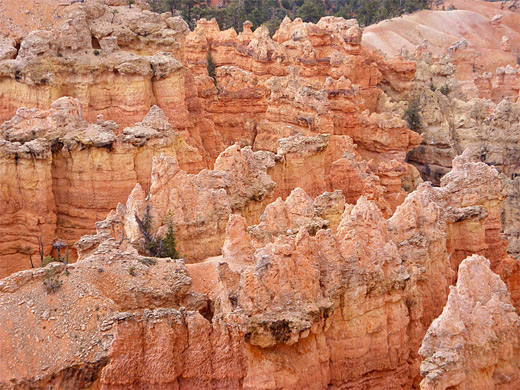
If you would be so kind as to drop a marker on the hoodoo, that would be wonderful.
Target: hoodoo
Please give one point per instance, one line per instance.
(299, 201)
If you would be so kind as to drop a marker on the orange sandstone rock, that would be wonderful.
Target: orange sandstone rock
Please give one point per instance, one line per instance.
(61, 174)
(309, 264)
(345, 308)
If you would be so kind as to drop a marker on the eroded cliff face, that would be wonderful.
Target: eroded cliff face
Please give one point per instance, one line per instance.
(451, 123)
(346, 306)
(83, 170)
(467, 87)
(61, 174)
(306, 79)
(27, 206)
(308, 96)
(82, 58)
(119, 61)
(312, 255)
(479, 37)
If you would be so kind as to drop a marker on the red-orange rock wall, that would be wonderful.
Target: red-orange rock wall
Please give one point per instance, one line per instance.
(27, 209)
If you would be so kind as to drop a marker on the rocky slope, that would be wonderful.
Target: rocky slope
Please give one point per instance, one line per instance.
(466, 87)
(451, 123)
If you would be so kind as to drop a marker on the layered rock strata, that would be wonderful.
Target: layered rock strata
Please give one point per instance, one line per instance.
(317, 80)
(306, 79)
(312, 257)
(117, 61)
(198, 206)
(451, 123)
(481, 38)
(61, 174)
(467, 86)
(349, 305)
(310, 98)
(81, 167)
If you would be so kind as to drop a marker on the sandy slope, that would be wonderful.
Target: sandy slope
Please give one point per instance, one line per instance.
(470, 21)
(19, 17)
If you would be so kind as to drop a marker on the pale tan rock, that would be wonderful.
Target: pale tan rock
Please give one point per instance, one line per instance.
(64, 115)
(505, 44)
(238, 246)
(157, 64)
(109, 44)
(7, 50)
(474, 343)
(248, 174)
(451, 124)
(479, 24)
(287, 218)
(497, 20)
(330, 206)
(46, 57)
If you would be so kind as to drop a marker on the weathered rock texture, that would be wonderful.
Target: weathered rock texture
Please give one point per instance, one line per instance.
(119, 61)
(306, 99)
(452, 123)
(289, 304)
(61, 174)
(120, 84)
(474, 344)
(312, 255)
(467, 84)
(307, 79)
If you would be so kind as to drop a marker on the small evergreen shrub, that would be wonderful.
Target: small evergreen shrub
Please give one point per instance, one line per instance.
(51, 280)
(412, 114)
(164, 246)
(158, 246)
(47, 260)
(147, 261)
(445, 89)
(211, 68)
